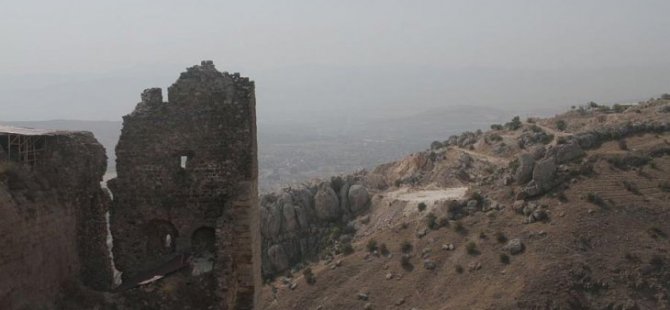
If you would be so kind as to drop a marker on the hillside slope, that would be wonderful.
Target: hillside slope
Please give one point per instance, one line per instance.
(568, 212)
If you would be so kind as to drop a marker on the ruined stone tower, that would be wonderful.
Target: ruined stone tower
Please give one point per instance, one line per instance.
(185, 202)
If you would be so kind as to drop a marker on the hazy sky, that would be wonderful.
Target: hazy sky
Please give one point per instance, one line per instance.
(91, 59)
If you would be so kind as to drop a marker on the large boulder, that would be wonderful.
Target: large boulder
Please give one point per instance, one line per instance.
(544, 173)
(568, 152)
(359, 198)
(290, 220)
(514, 246)
(326, 203)
(278, 258)
(525, 170)
(271, 217)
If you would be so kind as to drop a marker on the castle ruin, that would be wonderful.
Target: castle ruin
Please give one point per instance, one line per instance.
(185, 200)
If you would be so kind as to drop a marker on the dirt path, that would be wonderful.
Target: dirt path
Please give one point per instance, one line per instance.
(485, 157)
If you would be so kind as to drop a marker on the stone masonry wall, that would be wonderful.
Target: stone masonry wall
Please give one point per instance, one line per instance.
(187, 172)
(52, 228)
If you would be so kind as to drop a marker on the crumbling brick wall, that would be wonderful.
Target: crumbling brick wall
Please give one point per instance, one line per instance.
(52, 223)
(187, 167)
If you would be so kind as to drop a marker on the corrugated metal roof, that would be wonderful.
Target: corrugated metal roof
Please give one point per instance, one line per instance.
(29, 131)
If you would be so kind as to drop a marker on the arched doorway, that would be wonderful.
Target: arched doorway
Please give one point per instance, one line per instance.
(161, 237)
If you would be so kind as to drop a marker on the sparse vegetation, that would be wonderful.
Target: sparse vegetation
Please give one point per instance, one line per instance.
(372, 245)
(309, 276)
(664, 186)
(383, 249)
(497, 127)
(471, 248)
(422, 206)
(595, 199)
(405, 262)
(514, 124)
(504, 258)
(459, 228)
(561, 125)
(631, 187)
(500, 237)
(655, 232)
(406, 247)
(623, 145)
(436, 145)
(431, 221)
(495, 137)
(347, 249)
(458, 268)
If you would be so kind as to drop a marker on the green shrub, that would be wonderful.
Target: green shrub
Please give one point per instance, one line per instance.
(422, 206)
(383, 249)
(431, 221)
(561, 125)
(497, 127)
(458, 268)
(405, 262)
(309, 276)
(631, 187)
(514, 124)
(500, 237)
(595, 199)
(406, 247)
(495, 137)
(372, 245)
(623, 145)
(504, 258)
(471, 248)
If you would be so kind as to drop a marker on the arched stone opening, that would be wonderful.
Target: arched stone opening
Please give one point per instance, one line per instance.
(161, 237)
(203, 246)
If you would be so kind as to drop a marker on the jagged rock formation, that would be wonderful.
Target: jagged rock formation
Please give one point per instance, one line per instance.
(52, 221)
(300, 224)
(187, 187)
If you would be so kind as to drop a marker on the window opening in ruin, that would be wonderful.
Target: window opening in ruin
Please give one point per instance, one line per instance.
(203, 247)
(183, 161)
(161, 236)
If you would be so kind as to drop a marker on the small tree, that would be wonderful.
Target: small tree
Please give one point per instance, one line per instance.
(561, 125)
(422, 206)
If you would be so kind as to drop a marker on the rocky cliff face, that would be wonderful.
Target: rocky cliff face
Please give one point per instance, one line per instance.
(52, 223)
(302, 224)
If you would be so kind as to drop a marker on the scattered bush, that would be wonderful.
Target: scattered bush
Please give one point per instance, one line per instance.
(405, 262)
(500, 237)
(561, 125)
(504, 258)
(347, 249)
(471, 248)
(372, 245)
(664, 186)
(422, 206)
(497, 127)
(431, 221)
(656, 232)
(406, 247)
(459, 228)
(514, 124)
(495, 137)
(619, 108)
(665, 96)
(458, 268)
(623, 145)
(482, 235)
(309, 276)
(443, 221)
(383, 249)
(436, 145)
(530, 120)
(595, 199)
(631, 187)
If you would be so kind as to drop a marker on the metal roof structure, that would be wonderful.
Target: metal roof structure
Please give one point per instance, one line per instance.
(24, 131)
